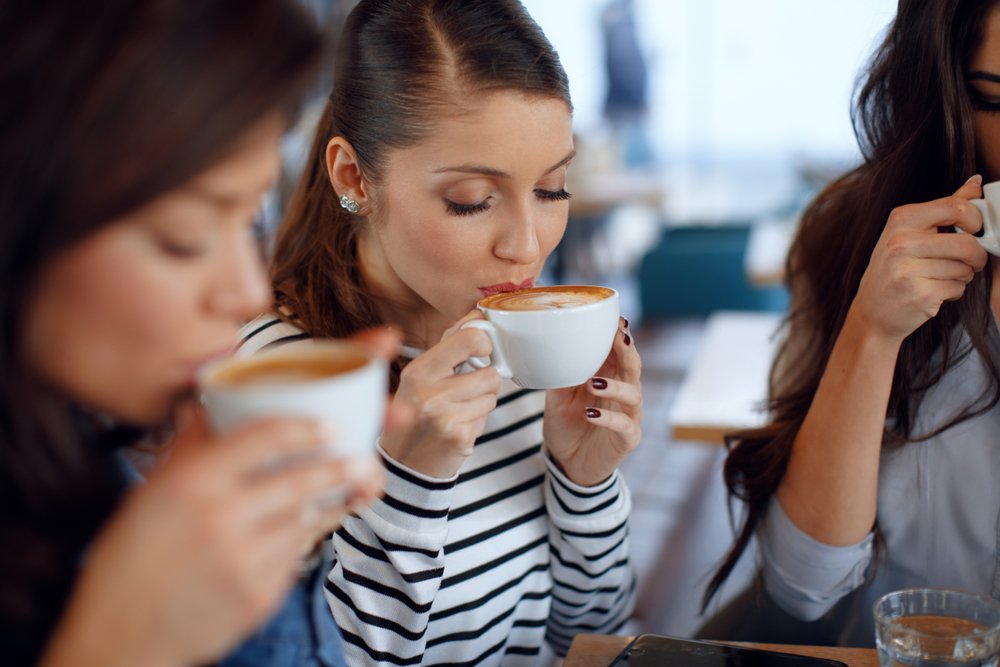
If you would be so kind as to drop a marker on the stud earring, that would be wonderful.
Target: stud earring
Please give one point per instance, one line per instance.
(349, 204)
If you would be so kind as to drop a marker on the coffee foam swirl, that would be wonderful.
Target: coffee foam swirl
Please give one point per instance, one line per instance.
(546, 298)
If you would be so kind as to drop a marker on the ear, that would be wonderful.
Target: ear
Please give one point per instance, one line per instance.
(345, 172)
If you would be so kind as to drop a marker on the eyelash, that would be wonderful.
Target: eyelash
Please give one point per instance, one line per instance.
(180, 250)
(472, 209)
(979, 103)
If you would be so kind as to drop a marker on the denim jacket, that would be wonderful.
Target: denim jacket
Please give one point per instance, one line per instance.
(302, 633)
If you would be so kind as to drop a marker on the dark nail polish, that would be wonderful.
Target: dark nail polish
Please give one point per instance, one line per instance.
(628, 339)
(599, 383)
(593, 413)
(625, 320)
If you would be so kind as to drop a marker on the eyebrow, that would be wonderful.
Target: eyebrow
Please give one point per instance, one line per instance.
(496, 173)
(223, 200)
(983, 76)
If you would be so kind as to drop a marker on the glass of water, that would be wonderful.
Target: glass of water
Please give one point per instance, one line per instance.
(932, 627)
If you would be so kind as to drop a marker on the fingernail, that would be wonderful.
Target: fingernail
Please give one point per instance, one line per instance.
(599, 383)
(593, 413)
(628, 339)
(975, 178)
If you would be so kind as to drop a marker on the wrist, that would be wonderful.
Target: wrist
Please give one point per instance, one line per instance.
(864, 332)
(581, 478)
(92, 637)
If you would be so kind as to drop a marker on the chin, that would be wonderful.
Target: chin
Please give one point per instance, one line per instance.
(149, 411)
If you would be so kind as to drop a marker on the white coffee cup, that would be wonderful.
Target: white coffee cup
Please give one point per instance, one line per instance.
(549, 337)
(989, 207)
(336, 382)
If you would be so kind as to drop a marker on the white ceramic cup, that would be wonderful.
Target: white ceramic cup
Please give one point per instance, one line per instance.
(337, 382)
(989, 207)
(557, 337)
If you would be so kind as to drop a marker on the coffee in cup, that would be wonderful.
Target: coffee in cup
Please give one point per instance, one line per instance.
(543, 298)
(549, 337)
(336, 382)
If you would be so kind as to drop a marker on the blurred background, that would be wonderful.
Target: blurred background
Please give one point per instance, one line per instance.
(702, 127)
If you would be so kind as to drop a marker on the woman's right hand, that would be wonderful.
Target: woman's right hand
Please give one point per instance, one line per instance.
(450, 409)
(914, 269)
(203, 553)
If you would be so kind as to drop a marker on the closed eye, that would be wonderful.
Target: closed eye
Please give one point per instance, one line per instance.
(553, 195)
(467, 209)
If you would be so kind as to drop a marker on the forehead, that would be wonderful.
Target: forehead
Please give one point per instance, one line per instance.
(504, 130)
(987, 57)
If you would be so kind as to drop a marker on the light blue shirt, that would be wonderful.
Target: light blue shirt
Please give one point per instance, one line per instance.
(938, 510)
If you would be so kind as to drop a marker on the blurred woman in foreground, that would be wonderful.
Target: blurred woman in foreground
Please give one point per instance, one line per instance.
(139, 138)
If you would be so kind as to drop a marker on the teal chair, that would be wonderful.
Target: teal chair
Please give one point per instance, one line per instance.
(699, 270)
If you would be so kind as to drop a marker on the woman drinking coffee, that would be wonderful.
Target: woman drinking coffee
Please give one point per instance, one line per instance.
(139, 138)
(880, 468)
(437, 178)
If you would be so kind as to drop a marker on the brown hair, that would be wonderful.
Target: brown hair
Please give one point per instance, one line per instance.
(913, 120)
(105, 106)
(401, 64)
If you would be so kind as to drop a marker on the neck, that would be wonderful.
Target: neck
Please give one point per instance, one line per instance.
(398, 305)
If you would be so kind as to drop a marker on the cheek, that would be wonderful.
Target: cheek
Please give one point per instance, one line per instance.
(551, 231)
(102, 330)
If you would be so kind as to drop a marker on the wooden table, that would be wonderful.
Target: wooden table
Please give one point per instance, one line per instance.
(600, 650)
(725, 387)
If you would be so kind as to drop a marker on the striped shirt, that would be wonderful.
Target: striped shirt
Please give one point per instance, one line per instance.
(484, 568)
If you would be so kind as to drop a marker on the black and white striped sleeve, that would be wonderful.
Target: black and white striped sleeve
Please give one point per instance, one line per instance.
(388, 566)
(593, 582)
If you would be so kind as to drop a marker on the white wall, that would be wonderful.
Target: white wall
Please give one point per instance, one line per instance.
(731, 79)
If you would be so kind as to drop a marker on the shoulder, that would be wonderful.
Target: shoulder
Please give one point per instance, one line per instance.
(267, 331)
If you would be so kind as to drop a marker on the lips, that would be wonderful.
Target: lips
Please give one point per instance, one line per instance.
(501, 288)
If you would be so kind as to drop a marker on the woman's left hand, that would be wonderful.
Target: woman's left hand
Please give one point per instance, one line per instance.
(591, 428)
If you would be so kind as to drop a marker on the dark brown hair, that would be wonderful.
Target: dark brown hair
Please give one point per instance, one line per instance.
(401, 65)
(913, 119)
(105, 106)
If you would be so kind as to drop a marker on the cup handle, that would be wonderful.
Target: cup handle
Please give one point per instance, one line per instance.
(988, 239)
(496, 358)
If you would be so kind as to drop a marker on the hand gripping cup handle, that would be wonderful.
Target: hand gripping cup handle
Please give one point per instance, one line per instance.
(497, 359)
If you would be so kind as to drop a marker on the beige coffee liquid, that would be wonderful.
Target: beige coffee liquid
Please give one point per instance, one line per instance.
(286, 369)
(545, 298)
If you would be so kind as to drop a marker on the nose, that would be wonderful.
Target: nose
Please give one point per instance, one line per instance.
(518, 239)
(242, 289)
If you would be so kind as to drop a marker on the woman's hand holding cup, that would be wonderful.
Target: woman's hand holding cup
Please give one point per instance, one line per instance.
(914, 269)
(591, 428)
(203, 553)
(449, 409)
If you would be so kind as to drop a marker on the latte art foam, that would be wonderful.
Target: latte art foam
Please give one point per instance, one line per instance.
(547, 298)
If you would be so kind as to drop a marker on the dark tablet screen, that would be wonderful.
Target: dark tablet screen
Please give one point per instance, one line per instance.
(662, 651)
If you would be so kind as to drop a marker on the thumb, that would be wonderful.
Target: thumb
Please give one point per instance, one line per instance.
(972, 188)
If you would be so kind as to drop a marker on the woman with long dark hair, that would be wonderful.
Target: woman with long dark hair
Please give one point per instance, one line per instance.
(438, 176)
(880, 467)
(139, 137)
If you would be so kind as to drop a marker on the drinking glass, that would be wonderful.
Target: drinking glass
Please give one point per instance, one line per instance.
(934, 627)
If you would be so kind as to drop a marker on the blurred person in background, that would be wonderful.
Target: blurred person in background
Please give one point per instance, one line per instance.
(437, 176)
(880, 469)
(139, 138)
(626, 105)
